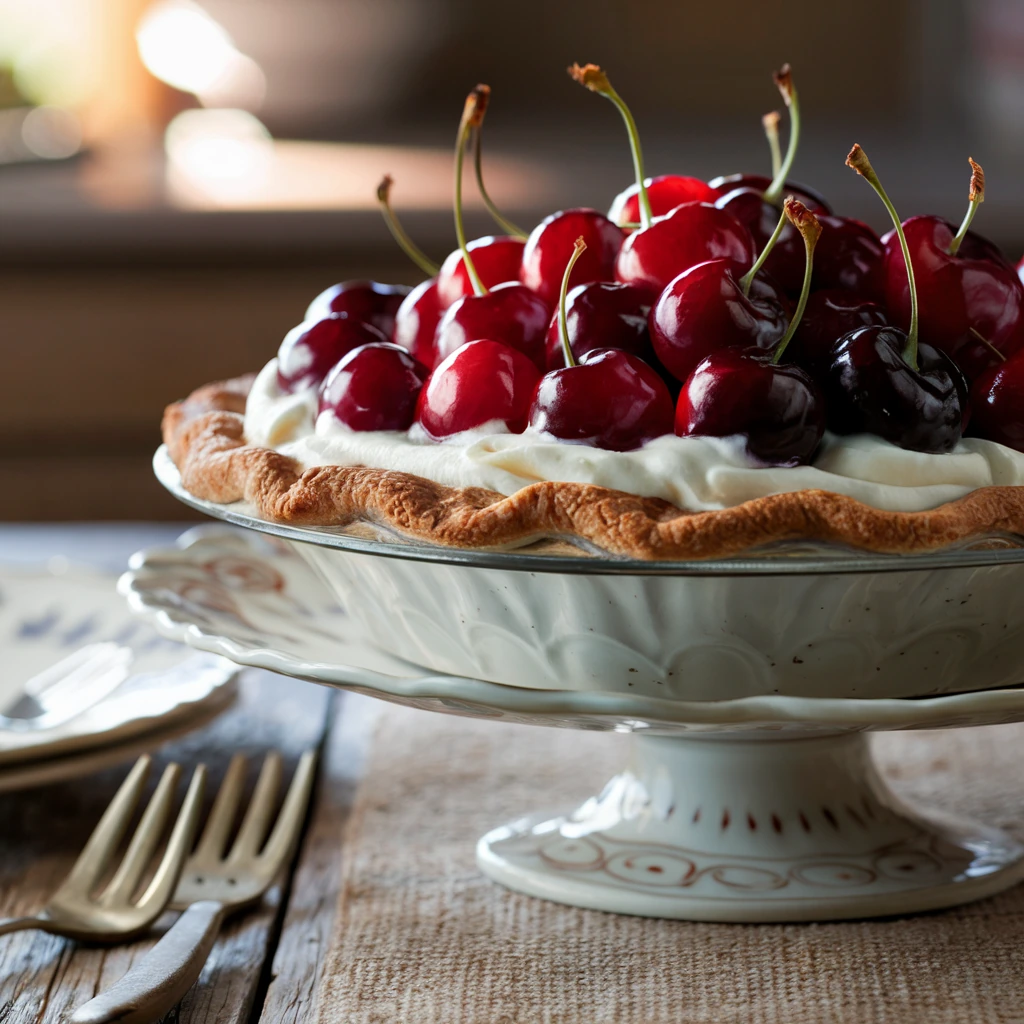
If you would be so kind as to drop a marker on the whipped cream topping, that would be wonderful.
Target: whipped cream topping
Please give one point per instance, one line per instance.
(695, 473)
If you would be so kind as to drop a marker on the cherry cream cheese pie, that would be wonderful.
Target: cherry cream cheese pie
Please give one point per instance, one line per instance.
(709, 369)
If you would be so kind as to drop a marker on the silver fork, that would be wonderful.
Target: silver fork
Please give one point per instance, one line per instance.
(213, 884)
(76, 911)
(68, 688)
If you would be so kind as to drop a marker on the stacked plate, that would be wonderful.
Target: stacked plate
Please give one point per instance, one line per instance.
(84, 684)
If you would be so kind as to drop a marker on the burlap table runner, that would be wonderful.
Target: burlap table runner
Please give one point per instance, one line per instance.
(423, 938)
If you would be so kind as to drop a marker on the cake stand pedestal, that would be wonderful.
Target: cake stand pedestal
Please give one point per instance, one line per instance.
(752, 828)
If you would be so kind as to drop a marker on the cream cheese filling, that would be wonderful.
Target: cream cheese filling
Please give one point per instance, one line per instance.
(695, 473)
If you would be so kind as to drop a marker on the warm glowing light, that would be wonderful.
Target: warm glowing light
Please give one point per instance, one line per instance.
(183, 46)
(221, 154)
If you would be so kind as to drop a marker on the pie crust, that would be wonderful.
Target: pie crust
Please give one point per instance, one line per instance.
(205, 437)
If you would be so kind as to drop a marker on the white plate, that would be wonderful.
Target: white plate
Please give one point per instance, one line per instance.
(47, 614)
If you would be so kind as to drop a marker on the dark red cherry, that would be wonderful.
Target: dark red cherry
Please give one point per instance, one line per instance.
(369, 301)
(602, 314)
(609, 399)
(511, 313)
(704, 309)
(813, 200)
(481, 383)
(551, 244)
(829, 314)
(870, 388)
(374, 387)
(785, 263)
(692, 233)
(974, 291)
(497, 259)
(666, 192)
(311, 350)
(849, 255)
(776, 409)
(416, 322)
(997, 403)
(1020, 269)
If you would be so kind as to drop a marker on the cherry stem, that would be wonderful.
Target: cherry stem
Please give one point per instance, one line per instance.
(563, 326)
(988, 344)
(405, 243)
(502, 221)
(976, 196)
(593, 78)
(784, 80)
(470, 114)
(748, 278)
(858, 160)
(810, 229)
(771, 130)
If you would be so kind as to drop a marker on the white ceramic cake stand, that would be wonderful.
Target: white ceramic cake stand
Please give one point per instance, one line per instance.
(758, 807)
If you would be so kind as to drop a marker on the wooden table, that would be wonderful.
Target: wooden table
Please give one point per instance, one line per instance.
(266, 966)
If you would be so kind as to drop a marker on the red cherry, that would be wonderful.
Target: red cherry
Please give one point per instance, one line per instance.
(829, 314)
(959, 294)
(813, 200)
(551, 244)
(692, 233)
(666, 192)
(997, 400)
(609, 399)
(374, 387)
(497, 259)
(369, 301)
(480, 383)
(704, 309)
(602, 314)
(776, 409)
(511, 313)
(310, 350)
(416, 322)
(849, 255)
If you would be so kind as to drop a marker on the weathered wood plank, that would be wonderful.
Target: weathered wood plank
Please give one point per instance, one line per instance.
(298, 964)
(43, 978)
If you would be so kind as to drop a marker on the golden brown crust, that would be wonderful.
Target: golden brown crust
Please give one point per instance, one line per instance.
(204, 435)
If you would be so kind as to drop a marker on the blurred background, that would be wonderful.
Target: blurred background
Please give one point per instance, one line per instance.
(178, 180)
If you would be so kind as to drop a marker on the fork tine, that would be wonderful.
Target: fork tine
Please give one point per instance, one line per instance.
(214, 839)
(260, 811)
(104, 839)
(161, 888)
(144, 843)
(293, 812)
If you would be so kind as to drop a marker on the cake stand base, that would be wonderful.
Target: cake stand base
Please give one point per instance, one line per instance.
(752, 829)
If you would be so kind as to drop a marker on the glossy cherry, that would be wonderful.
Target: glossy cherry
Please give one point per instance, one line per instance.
(665, 192)
(551, 244)
(849, 255)
(482, 383)
(709, 306)
(811, 198)
(609, 399)
(497, 259)
(997, 403)
(310, 350)
(692, 233)
(1020, 269)
(969, 291)
(373, 303)
(510, 313)
(883, 381)
(776, 408)
(602, 314)
(829, 314)
(416, 322)
(374, 387)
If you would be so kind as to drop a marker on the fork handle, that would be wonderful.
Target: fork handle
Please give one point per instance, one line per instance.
(157, 983)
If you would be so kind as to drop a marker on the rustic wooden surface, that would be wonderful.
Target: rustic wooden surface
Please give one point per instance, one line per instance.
(266, 966)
